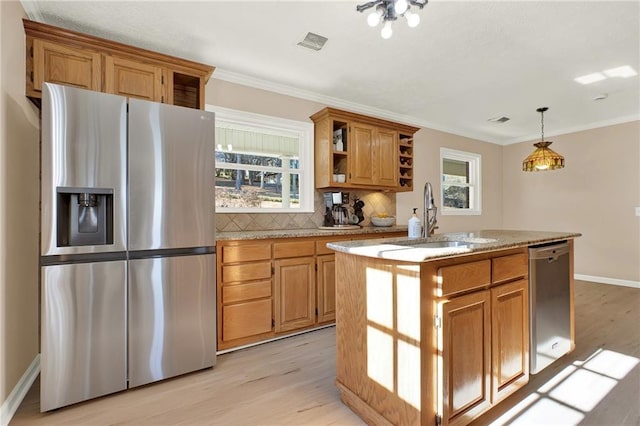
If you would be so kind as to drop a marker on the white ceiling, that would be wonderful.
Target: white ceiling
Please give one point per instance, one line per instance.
(466, 62)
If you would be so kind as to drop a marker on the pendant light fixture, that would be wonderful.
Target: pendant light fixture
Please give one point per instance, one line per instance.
(543, 158)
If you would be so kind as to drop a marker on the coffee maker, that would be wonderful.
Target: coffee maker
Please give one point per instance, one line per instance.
(336, 212)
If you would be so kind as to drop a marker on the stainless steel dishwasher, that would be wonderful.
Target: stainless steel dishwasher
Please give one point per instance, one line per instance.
(549, 304)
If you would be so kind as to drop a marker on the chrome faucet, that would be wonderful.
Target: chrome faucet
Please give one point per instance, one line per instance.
(429, 213)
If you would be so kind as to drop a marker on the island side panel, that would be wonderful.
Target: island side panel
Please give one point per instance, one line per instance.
(378, 349)
(572, 299)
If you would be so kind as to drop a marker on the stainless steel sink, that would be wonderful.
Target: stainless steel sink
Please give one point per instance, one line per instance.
(441, 244)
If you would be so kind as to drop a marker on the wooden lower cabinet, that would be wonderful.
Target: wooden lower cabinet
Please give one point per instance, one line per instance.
(510, 338)
(294, 298)
(466, 360)
(269, 288)
(485, 342)
(326, 287)
(246, 319)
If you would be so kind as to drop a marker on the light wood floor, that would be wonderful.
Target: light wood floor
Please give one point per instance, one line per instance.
(290, 382)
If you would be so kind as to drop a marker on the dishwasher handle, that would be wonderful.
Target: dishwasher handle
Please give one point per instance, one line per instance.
(551, 253)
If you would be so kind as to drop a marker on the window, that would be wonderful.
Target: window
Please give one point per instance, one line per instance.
(461, 185)
(264, 164)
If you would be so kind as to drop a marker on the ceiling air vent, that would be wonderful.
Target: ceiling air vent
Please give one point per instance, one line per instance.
(502, 119)
(313, 41)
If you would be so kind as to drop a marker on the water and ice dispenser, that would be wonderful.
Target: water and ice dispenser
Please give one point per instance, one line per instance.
(85, 216)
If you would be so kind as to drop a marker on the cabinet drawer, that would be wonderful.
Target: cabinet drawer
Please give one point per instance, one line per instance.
(463, 277)
(509, 267)
(246, 272)
(293, 249)
(246, 319)
(246, 253)
(321, 247)
(248, 291)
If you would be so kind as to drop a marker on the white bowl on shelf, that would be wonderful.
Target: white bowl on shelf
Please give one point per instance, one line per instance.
(383, 221)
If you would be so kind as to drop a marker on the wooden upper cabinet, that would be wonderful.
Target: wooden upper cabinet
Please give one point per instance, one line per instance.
(361, 154)
(386, 152)
(60, 64)
(133, 79)
(372, 156)
(62, 56)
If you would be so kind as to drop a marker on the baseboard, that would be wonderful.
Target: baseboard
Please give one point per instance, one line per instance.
(13, 401)
(606, 280)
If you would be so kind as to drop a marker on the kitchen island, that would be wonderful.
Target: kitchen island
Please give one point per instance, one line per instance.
(436, 330)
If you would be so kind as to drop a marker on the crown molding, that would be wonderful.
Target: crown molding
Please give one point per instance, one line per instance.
(575, 129)
(258, 83)
(33, 11)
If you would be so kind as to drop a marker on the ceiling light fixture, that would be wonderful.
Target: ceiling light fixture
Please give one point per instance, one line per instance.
(543, 158)
(590, 78)
(623, 71)
(389, 10)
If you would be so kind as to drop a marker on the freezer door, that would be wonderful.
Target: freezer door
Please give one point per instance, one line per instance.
(171, 177)
(84, 140)
(172, 317)
(83, 332)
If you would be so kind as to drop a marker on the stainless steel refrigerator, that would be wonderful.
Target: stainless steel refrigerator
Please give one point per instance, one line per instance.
(127, 243)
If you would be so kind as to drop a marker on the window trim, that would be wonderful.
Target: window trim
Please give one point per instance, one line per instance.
(475, 181)
(301, 129)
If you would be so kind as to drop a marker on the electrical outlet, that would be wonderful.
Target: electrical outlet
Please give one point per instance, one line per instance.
(637, 211)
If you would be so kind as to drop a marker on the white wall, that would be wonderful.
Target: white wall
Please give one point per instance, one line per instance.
(595, 194)
(19, 172)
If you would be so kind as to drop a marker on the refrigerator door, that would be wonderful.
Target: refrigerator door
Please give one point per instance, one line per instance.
(172, 316)
(83, 332)
(171, 177)
(84, 142)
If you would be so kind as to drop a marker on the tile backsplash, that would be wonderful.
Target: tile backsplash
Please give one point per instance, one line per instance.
(374, 203)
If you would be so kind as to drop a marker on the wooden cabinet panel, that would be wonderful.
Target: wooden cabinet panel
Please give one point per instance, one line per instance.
(508, 268)
(326, 287)
(464, 277)
(133, 79)
(466, 360)
(245, 291)
(510, 338)
(56, 63)
(293, 249)
(361, 154)
(245, 252)
(295, 297)
(246, 319)
(246, 271)
(386, 158)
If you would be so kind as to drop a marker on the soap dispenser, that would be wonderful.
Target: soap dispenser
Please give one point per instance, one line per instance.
(415, 226)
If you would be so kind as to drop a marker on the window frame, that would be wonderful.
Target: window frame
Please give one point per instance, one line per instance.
(475, 181)
(305, 172)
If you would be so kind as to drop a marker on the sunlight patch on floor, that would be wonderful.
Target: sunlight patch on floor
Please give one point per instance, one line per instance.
(569, 395)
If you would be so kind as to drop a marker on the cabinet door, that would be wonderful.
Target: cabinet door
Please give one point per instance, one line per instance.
(510, 338)
(466, 357)
(295, 298)
(361, 154)
(133, 79)
(386, 158)
(326, 283)
(55, 63)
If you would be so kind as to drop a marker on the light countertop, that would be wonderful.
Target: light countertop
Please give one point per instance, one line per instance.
(418, 250)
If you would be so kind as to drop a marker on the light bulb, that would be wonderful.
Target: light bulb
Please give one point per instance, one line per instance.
(413, 19)
(374, 18)
(386, 32)
(401, 6)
